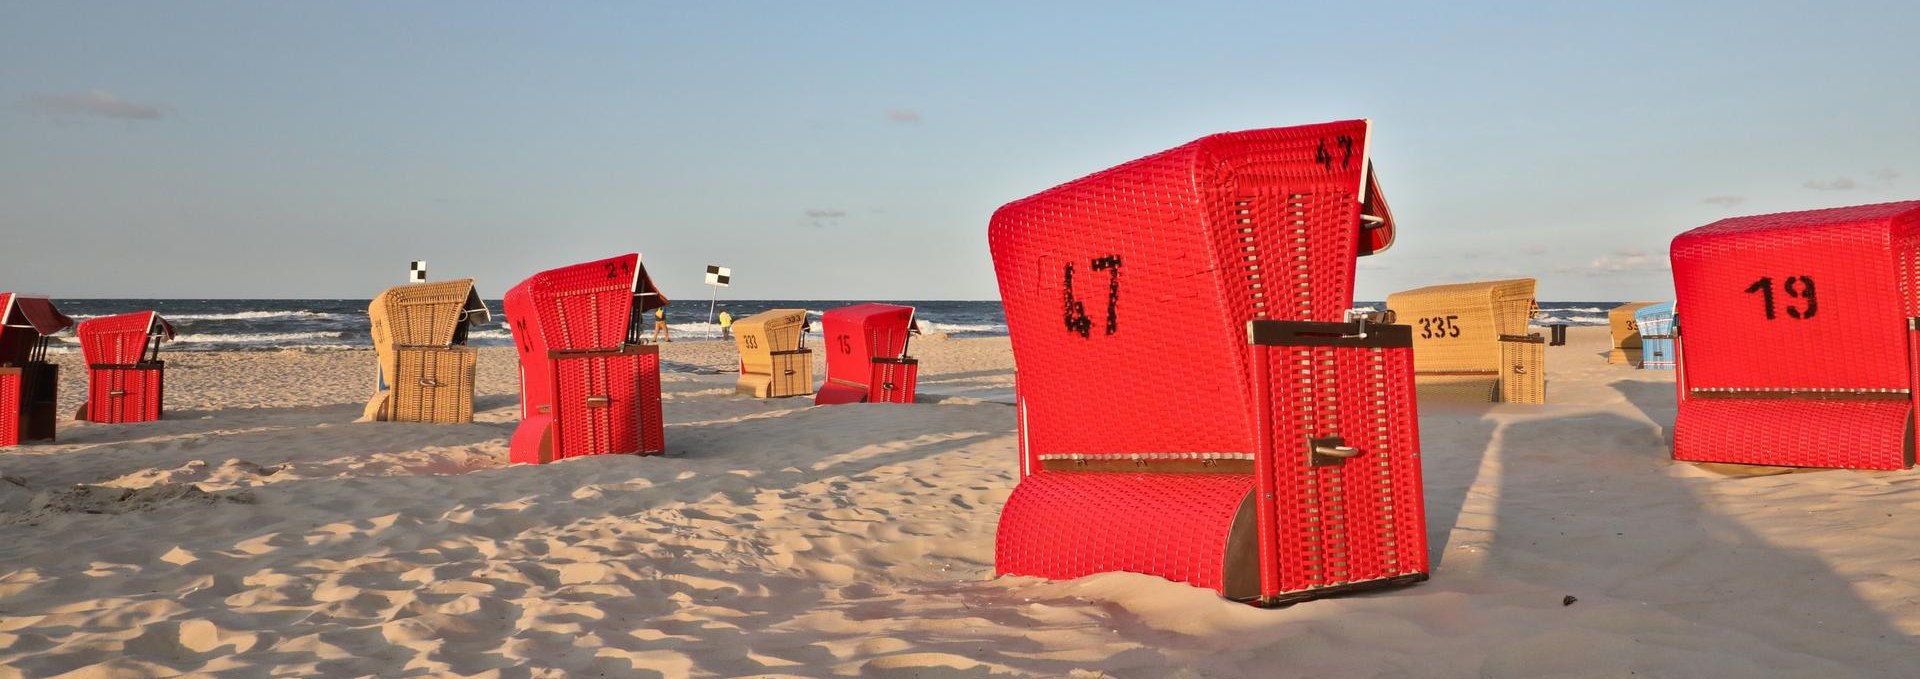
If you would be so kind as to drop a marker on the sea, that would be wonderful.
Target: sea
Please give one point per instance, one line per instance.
(274, 324)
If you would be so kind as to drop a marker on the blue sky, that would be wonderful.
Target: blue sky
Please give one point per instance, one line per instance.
(856, 150)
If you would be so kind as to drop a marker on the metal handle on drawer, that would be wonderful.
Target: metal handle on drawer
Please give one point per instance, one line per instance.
(1329, 450)
(116, 392)
(599, 401)
(429, 383)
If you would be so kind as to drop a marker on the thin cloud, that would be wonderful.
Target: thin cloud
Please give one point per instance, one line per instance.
(1724, 201)
(1841, 184)
(1622, 261)
(904, 116)
(1884, 175)
(99, 103)
(823, 217)
(1534, 250)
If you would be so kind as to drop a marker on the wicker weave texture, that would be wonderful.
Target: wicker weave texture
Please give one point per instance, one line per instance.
(10, 411)
(1657, 349)
(1794, 432)
(855, 337)
(1810, 302)
(1065, 525)
(1626, 332)
(434, 385)
(121, 339)
(117, 395)
(1523, 376)
(769, 368)
(893, 382)
(1456, 326)
(1206, 237)
(1459, 388)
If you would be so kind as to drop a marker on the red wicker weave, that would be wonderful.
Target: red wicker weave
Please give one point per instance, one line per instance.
(1191, 458)
(126, 379)
(588, 384)
(29, 385)
(867, 362)
(1794, 343)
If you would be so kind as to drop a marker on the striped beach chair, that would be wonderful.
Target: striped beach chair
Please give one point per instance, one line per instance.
(1797, 345)
(1655, 322)
(1270, 452)
(1625, 329)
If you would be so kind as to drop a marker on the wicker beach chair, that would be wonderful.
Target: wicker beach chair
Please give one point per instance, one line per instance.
(1627, 340)
(1268, 450)
(426, 369)
(29, 384)
(1797, 346)
(1470, 341)
(126, 380)
(774, 359)
(589, 384)
(867, 359)
(1656, 336)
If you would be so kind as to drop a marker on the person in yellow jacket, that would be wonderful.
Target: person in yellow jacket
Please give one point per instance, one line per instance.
(726, 325)
(660, 325)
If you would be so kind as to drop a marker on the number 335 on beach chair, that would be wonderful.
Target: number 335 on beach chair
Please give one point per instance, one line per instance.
(1270, 452)
(1470, 341)
(1796, 338)
(588, 385)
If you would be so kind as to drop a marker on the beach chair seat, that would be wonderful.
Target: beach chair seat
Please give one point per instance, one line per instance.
(1656, 322)
(774, 361)
(867, 359)
(29, 384)
(126, 380)
(1472, 343)
(1624, 326)
(589, 383)
(1271, 453)
(425, 370)
(1798, 345)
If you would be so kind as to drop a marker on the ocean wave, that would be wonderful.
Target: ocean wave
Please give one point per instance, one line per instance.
(967, 327)
(260, 338)
(240, 316)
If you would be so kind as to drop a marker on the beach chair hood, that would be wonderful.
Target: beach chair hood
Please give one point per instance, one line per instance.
(123, 339)
(24, 319)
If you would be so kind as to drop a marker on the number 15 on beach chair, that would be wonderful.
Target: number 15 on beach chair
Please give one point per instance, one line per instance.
(1271, 453)
(1796, 338)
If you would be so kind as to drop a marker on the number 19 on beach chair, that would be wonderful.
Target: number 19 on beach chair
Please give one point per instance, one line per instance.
(125, 377)
(1797, 338)
(588, 384)
(1270, 451)
(420, 336)
(29, 385)
(1470, 341)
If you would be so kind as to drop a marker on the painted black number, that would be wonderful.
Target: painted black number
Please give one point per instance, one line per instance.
(1797, 287)
(1075, 311)
(1440, 327)
(846, 344)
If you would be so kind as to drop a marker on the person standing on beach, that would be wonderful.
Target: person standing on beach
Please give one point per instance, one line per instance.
(726, 325)
(660, 325)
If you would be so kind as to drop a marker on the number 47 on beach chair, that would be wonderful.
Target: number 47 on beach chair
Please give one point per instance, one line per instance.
(1271, 453)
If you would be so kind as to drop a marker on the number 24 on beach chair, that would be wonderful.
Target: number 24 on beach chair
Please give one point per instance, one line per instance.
(1796, 338)
(29, 384)
(588, 385)
(1272, 453)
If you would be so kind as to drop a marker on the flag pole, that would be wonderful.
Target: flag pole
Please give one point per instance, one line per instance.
(712, 304)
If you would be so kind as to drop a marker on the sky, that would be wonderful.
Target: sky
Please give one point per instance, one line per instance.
(856, 150)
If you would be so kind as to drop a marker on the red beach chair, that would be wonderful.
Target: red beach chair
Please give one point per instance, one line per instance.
(867, 359)
(589, 385)
(29, 385)
(1797, 342)
(125, 376)
(1268, 449)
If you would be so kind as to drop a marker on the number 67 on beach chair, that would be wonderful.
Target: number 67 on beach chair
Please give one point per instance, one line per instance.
(1270, 451)
(1797, 338)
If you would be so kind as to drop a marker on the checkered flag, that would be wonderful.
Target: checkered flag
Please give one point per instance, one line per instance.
(719, 276)
(417, 272)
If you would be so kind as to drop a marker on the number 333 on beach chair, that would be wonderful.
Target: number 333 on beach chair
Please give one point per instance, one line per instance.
(1796, 338)
(588, 385)
(1271, 453)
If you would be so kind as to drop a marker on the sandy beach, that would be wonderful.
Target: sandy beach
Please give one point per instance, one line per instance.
(259, 531)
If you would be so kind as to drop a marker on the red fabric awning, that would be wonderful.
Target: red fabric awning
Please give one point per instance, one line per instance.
(38, 312)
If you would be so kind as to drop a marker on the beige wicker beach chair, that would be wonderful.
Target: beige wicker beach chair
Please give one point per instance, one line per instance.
(773, 362)
(1471, 343)
(1626, 333)
(420, 335)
